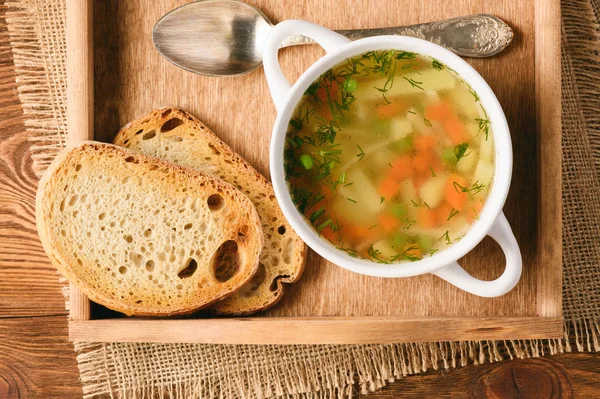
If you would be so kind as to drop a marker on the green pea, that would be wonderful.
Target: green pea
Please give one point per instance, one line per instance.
(350, 85)
(449, 156)
(403, 146)
(398, 210)
(399, 240)
(425, 243)
(306, 161)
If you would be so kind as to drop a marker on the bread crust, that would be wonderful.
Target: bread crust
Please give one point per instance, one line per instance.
(199, 148)
(153, 178)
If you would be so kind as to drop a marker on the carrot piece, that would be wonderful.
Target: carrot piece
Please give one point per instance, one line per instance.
(325, 112)
(455, 130)
(442, 212)
(402, 168)
(412, 250)
(422, 161)
(389, 186)
(454, 194)
(419, 180)
(426, 217)
(359, 233)
(438, 112)
(388, 222)
(474, 211)
(390, 110)
(327, 87)
(329, 234)
(425, 143)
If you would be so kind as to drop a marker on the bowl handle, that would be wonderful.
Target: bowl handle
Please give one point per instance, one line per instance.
(278, 84)
(503, 235)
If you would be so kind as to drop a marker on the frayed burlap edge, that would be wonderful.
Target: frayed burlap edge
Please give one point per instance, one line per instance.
(273, 371)
(39, 52)
(181, 370)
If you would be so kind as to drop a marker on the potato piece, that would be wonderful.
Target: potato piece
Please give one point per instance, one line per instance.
(486, 147)
(466, 102)
(385, 249)
(432, 96)
(341, 206)
(362, 191)
(401, 127)
(473, 130)
(363, 110)
(468, 162)
(409, 192)
(418, 122)
(432, 191)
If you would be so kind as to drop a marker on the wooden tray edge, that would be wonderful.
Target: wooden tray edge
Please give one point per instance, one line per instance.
(316, 330)
(549, 138)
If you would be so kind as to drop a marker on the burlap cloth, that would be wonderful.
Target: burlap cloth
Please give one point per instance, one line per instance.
(123, 370)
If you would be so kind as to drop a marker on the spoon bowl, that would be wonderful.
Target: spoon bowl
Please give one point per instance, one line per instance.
(213, 37)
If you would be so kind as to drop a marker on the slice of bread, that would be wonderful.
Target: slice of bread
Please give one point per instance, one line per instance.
(177, 136)
(143, 236)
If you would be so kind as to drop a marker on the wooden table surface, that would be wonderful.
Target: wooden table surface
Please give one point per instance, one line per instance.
(37, 361)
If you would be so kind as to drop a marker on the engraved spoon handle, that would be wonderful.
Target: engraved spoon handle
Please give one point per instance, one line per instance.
(478, 35)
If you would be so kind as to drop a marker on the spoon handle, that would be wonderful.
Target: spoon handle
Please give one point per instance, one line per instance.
(478, 35)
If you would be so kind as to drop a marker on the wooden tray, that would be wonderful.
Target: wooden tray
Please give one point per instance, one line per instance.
(330, 304)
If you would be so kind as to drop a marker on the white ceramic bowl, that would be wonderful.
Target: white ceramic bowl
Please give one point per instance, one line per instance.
(443, 264)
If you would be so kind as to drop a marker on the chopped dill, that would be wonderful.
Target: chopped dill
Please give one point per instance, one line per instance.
(351, 200)
(324, 224)
(453, 213)
(347, 184)
(390, 165)
(473, 92)
(381, 200)
(433, 251)
(405, 55)
(474, 189)
(446, 236)
(435, 64)
(407, 255)
(372, 227)
(326, 131)
(432, 172)
(361, 154)
(426, 204)
(414, 83)
(335, 227)
(426, 122)
(316, 215)
(305, 199)
(460, 151)
(349, 251)
(414, 204)
(375, 254)
(387, 86)
(410, 111)
(476, 214)
(484, 126)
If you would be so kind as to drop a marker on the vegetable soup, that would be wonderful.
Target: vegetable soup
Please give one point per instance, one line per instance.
(390, 156)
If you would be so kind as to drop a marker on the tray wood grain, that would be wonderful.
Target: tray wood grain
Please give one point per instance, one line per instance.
(330, 304)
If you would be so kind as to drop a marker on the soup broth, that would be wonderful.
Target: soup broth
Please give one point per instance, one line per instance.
(390, 156)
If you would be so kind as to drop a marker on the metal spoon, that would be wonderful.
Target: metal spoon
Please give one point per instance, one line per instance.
(224, 37)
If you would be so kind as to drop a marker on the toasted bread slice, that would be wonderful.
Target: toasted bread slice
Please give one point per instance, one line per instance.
(143, 236)
(177, 136)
